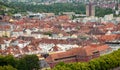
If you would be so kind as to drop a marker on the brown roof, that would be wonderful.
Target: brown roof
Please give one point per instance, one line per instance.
(2, 40)
(96, 31)
(72, 52)
(103, 48)
(55, 48)
(107, 37)
(85, 51)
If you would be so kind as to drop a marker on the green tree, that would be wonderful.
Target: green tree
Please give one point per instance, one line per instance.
(2, 61)
(100, 12)
(28, 62)
(10, 60)
(7, 68)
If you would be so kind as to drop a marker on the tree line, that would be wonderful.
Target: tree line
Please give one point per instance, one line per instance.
(27, 62)
(79, 8)
(106, 62)
(55, 8)
(101, 12)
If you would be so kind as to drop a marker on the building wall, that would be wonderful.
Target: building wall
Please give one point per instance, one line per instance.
(93, 11)
(2, 46)
(5, 33)
(90, 10)
(87, 10)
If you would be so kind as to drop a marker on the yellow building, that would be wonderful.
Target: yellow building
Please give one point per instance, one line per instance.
(5, 33)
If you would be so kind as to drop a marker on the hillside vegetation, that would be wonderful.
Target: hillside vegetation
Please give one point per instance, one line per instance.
(27, 62)
(79, 8)
(6, 9)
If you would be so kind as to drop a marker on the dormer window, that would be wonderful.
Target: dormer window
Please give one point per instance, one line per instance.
(95, 52)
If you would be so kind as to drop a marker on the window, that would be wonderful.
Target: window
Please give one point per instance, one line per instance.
(95, 52)
(65, 58)
(0, 47)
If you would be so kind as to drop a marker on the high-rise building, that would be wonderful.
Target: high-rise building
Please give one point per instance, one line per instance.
(90, 9)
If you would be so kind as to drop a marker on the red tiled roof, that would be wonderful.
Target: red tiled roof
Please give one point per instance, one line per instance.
(63, 17)
(103, 48)
(55, 48)
(107, 37)
(85, 51)
(72, 52)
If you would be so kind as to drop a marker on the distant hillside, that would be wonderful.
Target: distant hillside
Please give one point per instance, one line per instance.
(4, 8)
(55, 8)
(20, 7)
(40, 1)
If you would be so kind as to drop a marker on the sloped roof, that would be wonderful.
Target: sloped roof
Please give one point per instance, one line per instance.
(55, 48)
(96, 31)
(71, 52)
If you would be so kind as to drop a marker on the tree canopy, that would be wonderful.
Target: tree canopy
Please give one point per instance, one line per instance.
(7, 68)
(28, 62)
(55, 8)
(100, 12)
(79, 8)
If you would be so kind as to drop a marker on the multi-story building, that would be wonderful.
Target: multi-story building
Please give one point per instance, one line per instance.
(90, 9)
